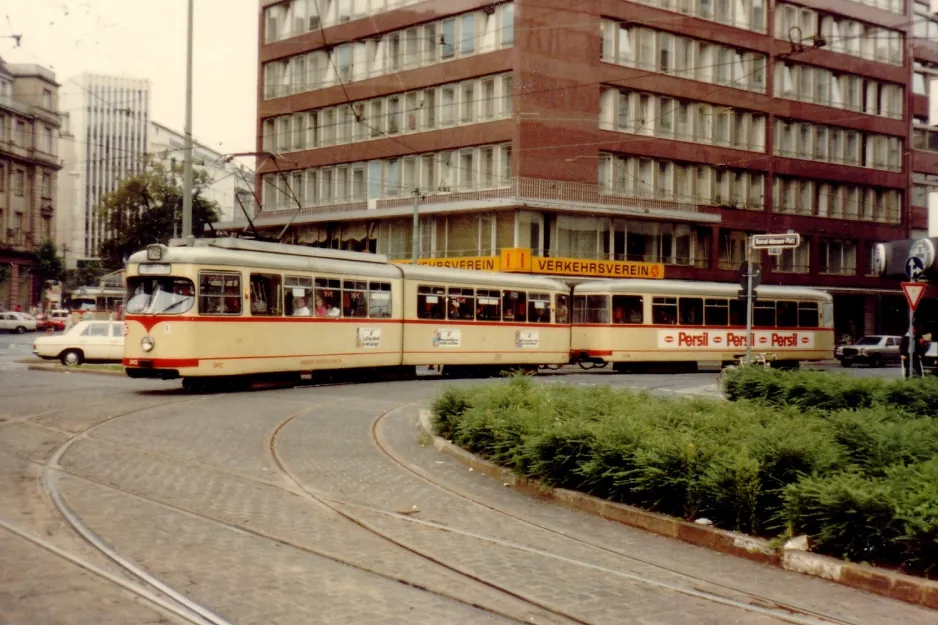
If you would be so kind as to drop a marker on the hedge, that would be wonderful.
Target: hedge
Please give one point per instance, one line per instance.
(824, 391)
(863, 483)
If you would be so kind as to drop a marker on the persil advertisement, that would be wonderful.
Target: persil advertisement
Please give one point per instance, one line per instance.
(721, 340)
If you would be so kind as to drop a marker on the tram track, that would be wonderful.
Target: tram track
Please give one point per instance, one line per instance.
(141, 583)
(759, 604)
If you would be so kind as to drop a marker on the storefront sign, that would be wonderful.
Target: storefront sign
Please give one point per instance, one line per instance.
(596, 268)
(733, 339)
(475, 263)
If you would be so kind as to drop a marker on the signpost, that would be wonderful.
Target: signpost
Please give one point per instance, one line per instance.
(753, 275)
(913, 295)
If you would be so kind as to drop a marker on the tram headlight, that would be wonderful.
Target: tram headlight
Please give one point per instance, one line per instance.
(147, 343)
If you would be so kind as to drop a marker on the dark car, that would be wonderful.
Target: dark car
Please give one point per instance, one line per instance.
(875, 351)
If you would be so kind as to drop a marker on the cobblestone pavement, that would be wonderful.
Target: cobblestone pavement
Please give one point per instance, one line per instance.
(190, 488)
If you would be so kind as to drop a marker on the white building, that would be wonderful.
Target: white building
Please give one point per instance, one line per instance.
(106, 120)
(167, 145)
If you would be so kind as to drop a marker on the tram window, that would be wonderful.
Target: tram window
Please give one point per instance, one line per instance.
(664, 311)
(159, 296)
(355, 298)
(265, 294)
(328, 297)
(691, 310)
(513, 305)
(539, 307)
(591, 309)
(808, 315)
(628, 309)
(461, 304)
(379, 300)
(219, 293)
(763, 314)
(716, 312)
(431, 302)
(787, 315)
(297, 296)
(562, 309)
(737, 313)
(488, 305)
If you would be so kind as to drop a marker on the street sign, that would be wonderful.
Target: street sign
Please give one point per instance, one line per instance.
(913, 293)
(775, 251)
(744, 275)
(914, 267)
(765, 241)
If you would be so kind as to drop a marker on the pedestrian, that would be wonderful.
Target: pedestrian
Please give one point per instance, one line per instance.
(904, 355)
(68, 323)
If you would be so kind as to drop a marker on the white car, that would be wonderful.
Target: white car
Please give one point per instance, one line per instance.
(16, 322)
(86, 341)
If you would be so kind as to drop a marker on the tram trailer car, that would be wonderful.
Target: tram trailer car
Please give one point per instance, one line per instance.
(636, 323)
(230, 307)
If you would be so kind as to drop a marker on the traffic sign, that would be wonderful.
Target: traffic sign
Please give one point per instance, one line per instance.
(775, 251)
(744, 275)
(913, 293)
(914, 267)
(765, 241)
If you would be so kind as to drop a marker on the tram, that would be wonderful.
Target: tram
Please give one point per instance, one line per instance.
(231, 307)
(635, 323)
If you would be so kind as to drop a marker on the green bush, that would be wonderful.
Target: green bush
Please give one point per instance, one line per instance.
(793, 453)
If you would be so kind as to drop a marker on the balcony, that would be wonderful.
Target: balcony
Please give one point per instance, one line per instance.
(507, 193)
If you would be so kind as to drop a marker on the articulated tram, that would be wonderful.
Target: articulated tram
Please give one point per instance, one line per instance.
(218, 308)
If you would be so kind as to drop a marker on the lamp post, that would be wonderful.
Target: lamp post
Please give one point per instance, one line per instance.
(187, 169)
(415, 238)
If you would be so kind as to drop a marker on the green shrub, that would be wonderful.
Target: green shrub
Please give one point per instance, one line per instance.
(847, 514)
(877, 438)
(917, 493)
(917, 397)
(448, 408)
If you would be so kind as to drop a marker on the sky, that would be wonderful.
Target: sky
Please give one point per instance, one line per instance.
(133, 38)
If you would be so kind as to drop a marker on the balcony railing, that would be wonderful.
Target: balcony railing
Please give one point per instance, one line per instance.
(530, 191)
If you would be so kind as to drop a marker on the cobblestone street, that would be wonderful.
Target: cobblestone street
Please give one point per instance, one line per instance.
(322, 504)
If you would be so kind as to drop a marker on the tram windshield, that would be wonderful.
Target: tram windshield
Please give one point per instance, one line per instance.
(159, 296)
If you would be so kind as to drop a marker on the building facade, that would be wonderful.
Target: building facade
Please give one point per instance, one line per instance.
(29, 165)
(924, 48)
(631, 134)
(168, 146)
(106, 131)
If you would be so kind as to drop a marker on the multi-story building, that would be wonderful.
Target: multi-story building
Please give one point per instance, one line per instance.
(650, 137)
(924, 49)
(29, 126)
(168, 146)
(108, 120)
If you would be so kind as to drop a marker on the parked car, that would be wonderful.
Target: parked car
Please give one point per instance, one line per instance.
(17, 322)
(87, 341)
(43, 322)
(930, 359)
(874, 351)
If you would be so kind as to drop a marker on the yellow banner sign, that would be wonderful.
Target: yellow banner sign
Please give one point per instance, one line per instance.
(597, 268)
(476, 263)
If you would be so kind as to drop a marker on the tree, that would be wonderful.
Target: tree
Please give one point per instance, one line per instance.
(145, 208)
(49, 265)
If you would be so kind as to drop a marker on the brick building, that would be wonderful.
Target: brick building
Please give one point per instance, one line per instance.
(29, 128)
(652, 133)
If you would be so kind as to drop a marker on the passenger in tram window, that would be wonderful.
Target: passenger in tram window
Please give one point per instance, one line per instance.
(321, 310)
(334, 312)
(617, 316)
(300, 309)
(562, 312)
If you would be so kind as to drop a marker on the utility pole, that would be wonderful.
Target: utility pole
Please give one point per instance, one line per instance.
(749, 270)
(415, 239)
(187, 169)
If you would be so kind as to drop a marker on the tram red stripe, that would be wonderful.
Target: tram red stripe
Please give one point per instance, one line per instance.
(156, 319)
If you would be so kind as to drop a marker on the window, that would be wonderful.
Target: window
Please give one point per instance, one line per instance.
(219, 293)
(46, 185)
(514, 306)
(691, 311)
(448, 39)
(467, 37)
(47, 99)
(808, 315)
(265, 294)
(431, 302)
(664, 310)
(562, 314)
(591, 309)
(328, 297)
(488, 305)
(787, 314)
(19, 182)
(628, 309)
(763, 314)
(298, 294)
(716, 312)
(96, 329)
(539, 308)
(461, 304)
(379, 300)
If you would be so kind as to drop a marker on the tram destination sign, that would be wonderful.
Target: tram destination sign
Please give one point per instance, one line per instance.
(766, 241)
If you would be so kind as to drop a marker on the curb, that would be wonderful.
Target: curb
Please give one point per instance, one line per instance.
(878, 581)
(58, 369)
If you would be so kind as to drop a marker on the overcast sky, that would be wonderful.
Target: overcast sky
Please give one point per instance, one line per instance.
(147, 39)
